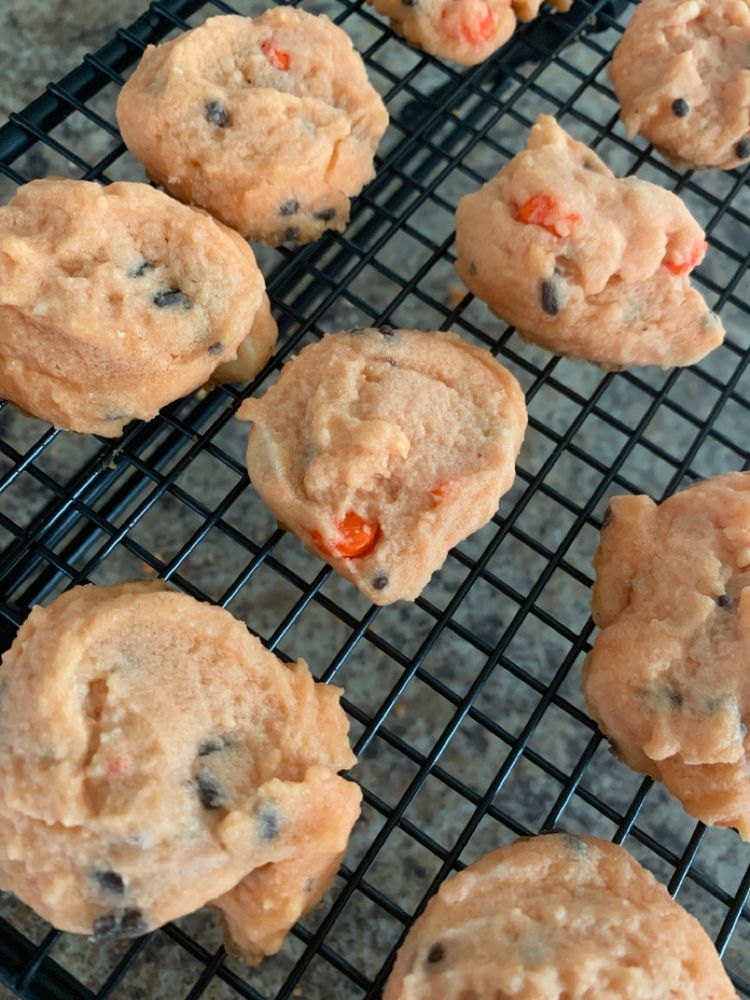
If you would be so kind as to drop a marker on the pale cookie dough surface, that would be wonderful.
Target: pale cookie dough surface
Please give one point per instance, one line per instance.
(667, 679)
(380, 449)
(116, 300)
(682, 76)
(154, 756)
(464, 31)
(269, 123)
(583, 263)
(556, 917)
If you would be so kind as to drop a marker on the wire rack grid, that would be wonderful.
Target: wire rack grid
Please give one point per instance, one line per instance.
(465, 706)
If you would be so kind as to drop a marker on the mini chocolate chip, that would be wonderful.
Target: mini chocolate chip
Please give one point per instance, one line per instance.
(553, 294)
(211, 745)
(110, 881)
(724, 601)
(209, 790)
(680, 108)
(410, 3)
(106, 927)
(216, 349)
(140, 269)
(742, 149)
(171, 297)
(674, 698)
(291, 234)
(216, 113)
(574, 844)
(380, 581)
(608, 515)
(588, 164)
(269, 822)
(290, 207)
(326, 214)
(436, 954)
(386, 330)
(132, 924)
(472, 267)
(309, 883)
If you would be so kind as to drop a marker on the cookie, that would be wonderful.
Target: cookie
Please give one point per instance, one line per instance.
(682, 76)
(463, 31)
(155, 757)
(556, 917)
(269, 123)
(116, 300)
(667, 677)
(381, 448)
(585, 264)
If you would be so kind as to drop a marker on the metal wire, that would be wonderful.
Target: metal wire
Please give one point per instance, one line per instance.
(496, 599)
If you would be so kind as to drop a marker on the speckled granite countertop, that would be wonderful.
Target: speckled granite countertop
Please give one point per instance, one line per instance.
(42, 39)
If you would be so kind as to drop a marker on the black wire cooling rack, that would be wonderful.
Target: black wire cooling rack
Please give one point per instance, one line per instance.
(466, 707)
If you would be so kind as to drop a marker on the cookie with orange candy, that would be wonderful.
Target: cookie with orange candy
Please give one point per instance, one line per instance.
(270, 123)
(584, 263)
(382, 448)
(464, 31)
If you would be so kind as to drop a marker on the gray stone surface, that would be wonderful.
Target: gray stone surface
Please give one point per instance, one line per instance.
(40, 40)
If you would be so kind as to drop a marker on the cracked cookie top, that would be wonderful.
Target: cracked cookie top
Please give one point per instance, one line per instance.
(382, 448)
(556, 917)
(117, 300)
(270, 123)
(667, 677)
(152, 755)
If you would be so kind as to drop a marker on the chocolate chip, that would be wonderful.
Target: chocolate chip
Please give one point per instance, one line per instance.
(326, 214)
(380, 581)
(436, 954)
(129, 923)
(554, 293)
(106, 927)
(410, 3)
(309, 884)
(170, 298)
(724, 601)
(290, 207)
(291, 234)
(742, 149)
(386, 330)
(608, 515)
(216, 113)
(110, 881)
(269, 821)
(472, 267)
(680, 108)
(209, 790)
(212, 745)
(140, 269)
(674, 698)
(576, 845)
(216, 349)
(132, 924)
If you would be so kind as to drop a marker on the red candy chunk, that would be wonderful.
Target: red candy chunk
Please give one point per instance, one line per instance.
(473, 26)
(357, 537)
(683, 263)
(277, 58)
(441, 488)
(545, 211)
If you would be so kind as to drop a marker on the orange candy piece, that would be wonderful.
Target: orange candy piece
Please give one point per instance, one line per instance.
(357, 537)
(441, 488)
(540, 210)
(473, 28)
(277, 58)
(686, 264)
